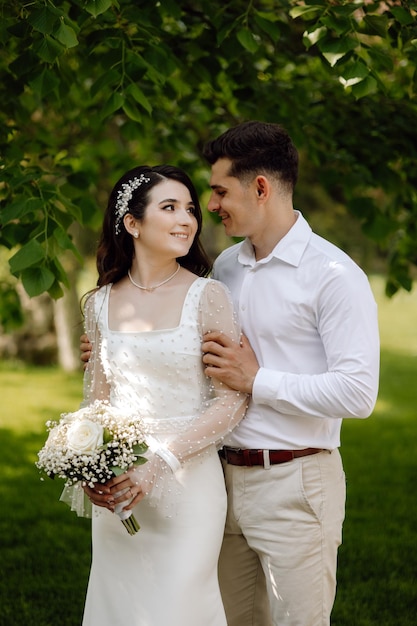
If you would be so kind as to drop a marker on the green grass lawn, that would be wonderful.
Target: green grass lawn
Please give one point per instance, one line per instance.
(377, 576)
(45, 549)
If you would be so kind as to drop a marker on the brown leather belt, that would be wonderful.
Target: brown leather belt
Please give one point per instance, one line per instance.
(264, 458)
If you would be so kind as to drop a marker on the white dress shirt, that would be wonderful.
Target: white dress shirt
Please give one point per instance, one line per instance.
(311, 318)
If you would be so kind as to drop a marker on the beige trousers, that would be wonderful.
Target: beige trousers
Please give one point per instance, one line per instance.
(284, 525)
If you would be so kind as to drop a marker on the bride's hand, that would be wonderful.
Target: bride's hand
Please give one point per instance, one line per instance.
(100, 495)
(124, 488)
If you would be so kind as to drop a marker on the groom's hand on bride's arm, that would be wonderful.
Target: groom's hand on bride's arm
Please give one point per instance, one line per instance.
(233, 363)
(85, 349)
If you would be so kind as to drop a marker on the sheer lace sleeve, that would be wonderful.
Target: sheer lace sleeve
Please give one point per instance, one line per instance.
(222, 407)
(95, 385)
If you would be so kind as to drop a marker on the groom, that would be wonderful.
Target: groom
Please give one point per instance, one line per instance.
(309, 357)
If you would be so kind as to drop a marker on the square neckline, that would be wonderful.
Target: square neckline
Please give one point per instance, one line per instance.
(106, 305)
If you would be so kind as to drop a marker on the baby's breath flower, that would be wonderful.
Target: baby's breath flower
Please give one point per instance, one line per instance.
(89, 445)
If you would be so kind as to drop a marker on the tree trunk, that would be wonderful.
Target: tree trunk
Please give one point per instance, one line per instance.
(68, 327)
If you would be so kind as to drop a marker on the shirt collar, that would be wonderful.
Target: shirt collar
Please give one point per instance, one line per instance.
(289, 249)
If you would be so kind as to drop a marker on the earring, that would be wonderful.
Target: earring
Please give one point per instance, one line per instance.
(136, 234)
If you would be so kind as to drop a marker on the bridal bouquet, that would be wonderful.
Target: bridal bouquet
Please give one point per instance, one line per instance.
(91, 446)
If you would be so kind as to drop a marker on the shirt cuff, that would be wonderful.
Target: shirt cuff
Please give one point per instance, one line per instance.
(266, 385)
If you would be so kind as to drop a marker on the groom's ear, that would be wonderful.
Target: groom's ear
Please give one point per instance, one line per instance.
(263, 187)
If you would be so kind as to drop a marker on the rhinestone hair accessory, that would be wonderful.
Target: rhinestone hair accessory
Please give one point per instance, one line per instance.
(123, 196)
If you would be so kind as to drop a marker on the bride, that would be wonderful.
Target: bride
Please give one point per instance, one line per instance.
(145, 322)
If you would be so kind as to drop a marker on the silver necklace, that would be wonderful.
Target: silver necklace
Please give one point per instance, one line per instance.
(154, 286)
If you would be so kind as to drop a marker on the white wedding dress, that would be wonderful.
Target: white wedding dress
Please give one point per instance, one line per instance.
(166, 574)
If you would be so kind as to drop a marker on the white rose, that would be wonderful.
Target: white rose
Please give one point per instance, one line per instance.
(84, 436)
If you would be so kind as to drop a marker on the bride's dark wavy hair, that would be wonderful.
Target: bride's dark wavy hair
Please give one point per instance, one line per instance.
(115, 251)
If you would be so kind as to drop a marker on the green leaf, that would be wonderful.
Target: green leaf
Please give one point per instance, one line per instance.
(20, 29)
(139, 448)
(65, 243)
(381, 59)
(161, 60)
(171, 9)
(43, 20)
(140, 460)
(65, 218)
(362, 207)
(107, 436)
(132, 111)
(379, 227)
(405, 281)
(37, 280)
(111, 77)
(49, 49)
(11, 314)
(338, 25)
(66, 35)
(246, 39)
(14, 234)
(306, 12)
(30, 254)
(20, 208)
(63, 239)
(346, 10)
(45, 83)
(402, 15)
(59, 272)
(24, 64)
(366, 87)
(335, 49)
(354, 73)
(55, 291)
(312, 37)
(114, 103)
(269, 27)
(223, 33)
(376, 24)
(91, 215)
(96, 7)
(391, 288)
(136, 66)
(117, 471)
(139, 96)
